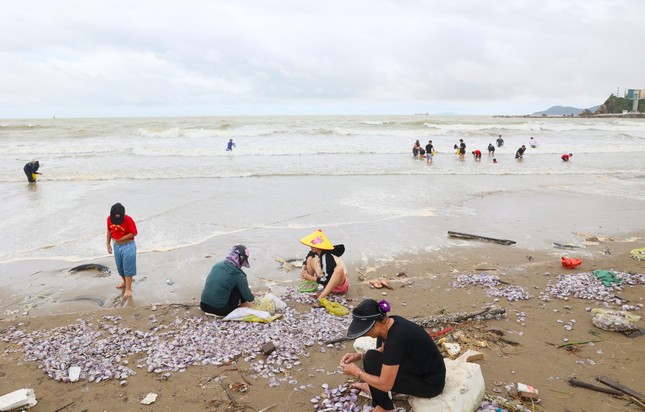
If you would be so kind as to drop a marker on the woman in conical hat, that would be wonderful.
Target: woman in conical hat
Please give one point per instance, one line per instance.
(323, 264)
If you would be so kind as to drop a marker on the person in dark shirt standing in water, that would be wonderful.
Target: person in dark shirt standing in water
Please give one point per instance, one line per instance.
(230, 145)
(491, 150)
(520, 152)
(31, 170)
(500, 141)
(429, 151)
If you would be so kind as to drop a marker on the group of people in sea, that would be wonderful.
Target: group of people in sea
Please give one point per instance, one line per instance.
(406, 359)
(460, 150)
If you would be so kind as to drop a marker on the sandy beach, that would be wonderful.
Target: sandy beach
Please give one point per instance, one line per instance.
(426, 291)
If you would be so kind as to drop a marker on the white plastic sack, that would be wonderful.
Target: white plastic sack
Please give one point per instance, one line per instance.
(243, 312)
(279, 303)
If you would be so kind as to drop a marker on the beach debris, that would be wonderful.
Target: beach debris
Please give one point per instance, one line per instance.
(74, 373)
(614, 320)
(334, 308)
(452, 349)
(149, 399)
(568, 245)
(491, 312)
(580, 384)
(268, 348)
(527, 392)
(586, 286)
(470, 356)
(616, 385)
(169, 281)
(491, 284)
(288, 265)
(91, 266)
(18, 399)
(570, 263)
(499, 403)
(477, 237)
(638, 254)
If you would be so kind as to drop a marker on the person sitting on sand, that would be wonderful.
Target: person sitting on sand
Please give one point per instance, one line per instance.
(31, 170)
(416, 149)
(407, 362)
(477, 154)
(520, 152)
(121, 229)
(227, 287)
(565, 157)
(323, 264)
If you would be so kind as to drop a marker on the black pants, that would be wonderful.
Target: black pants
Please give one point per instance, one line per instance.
(27, 171)
(404, 382)
(234, 302)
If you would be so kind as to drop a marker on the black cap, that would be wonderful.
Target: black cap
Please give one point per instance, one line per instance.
(117, 209)
(364, 316)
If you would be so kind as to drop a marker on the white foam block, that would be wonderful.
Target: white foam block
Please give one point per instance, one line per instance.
(17, 399)
(463, 392)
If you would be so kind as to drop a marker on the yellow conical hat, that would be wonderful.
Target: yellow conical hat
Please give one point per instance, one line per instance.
(318, 240)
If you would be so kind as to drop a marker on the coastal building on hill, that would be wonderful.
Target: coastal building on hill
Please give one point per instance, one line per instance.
(635, 95)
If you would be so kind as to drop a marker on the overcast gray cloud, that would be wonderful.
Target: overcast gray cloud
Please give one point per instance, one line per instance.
(80, 58)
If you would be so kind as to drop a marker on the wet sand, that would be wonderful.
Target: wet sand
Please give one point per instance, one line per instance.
(425, 292)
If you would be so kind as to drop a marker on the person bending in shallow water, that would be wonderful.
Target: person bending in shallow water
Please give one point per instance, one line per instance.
(31, 170)
(323, 264)
(121, 230)
(408, 360)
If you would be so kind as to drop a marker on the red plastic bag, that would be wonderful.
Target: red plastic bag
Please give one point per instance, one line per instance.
(571, 263)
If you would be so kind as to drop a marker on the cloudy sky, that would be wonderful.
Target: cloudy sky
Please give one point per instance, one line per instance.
(166, 57)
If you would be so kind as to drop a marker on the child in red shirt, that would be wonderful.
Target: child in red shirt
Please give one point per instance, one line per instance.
(121, 229)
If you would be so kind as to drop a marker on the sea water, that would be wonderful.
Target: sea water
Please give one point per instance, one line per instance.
(354, 176)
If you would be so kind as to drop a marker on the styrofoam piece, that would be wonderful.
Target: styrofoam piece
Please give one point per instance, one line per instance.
(364, 343)
(18, 399)
(463, 392)
(74, 373)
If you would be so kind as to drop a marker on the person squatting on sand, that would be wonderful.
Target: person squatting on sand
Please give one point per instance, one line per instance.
(31, 170)
(323, 264)
(121, 229)
(227, 287)
(407, 361)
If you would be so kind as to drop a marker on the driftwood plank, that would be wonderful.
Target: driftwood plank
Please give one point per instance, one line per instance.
(616, 385)
(477, 237)
(581, 384)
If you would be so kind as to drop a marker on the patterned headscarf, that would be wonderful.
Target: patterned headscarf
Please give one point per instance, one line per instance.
(239, 256)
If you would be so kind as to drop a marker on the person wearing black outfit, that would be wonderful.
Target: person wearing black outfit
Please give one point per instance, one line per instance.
(407, 362)
(520, 152)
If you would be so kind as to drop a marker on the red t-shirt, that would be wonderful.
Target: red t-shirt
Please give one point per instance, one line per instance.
(118, 231)
(478, 153)
(565, 157)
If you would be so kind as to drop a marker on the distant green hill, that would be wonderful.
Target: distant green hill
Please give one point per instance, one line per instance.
(563, 111)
